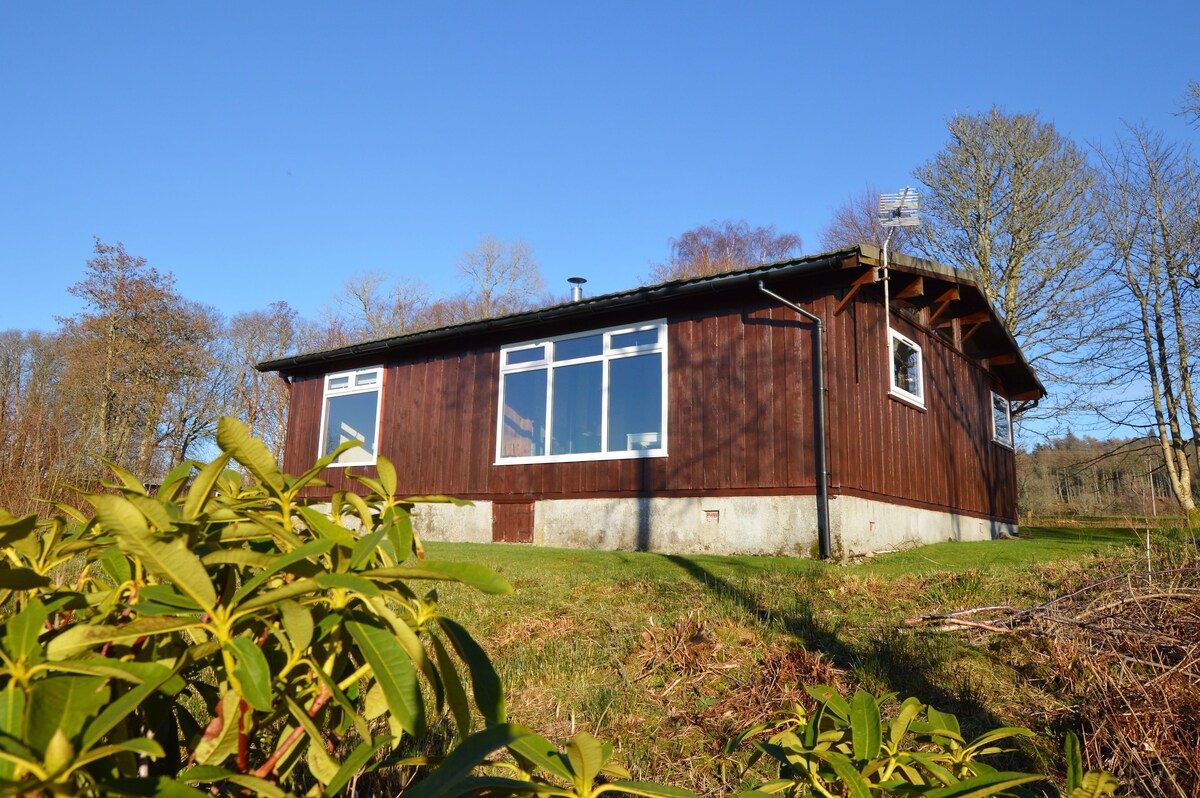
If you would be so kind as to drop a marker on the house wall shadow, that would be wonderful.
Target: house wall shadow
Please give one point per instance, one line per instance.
(904, 660)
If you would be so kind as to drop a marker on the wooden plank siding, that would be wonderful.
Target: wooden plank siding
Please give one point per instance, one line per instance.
(741, 401)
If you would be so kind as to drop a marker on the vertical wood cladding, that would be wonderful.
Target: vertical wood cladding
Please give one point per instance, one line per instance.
(512, 522)
(741, 400)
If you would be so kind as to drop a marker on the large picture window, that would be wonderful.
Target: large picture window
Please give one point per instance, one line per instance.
(350, 412)
(906, 377)
(591, 396)
(1001, 421)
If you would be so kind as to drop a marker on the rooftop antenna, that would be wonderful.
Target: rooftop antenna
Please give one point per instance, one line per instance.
(895, 210)
(576, 287)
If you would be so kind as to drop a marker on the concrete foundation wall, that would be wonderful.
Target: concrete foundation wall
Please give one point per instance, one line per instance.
(732, 525)
(765, 525)
(454, 524)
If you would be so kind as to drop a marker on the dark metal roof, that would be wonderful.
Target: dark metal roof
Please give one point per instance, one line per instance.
(644, 295)
(653, 294)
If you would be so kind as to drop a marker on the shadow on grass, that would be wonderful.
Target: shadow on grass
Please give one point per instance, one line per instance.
(901, 660)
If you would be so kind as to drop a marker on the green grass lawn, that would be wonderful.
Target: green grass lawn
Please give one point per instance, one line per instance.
(670, 655)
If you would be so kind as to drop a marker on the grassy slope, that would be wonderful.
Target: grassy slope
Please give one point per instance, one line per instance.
(669, 655)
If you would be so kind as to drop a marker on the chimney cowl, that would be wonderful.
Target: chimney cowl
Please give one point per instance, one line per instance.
(576, 287)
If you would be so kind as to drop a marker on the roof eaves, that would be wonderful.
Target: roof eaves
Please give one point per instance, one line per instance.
(629, 298)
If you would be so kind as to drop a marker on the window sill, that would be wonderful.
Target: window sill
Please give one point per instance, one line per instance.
(370, 464)
(582, 458)
(908, 400)
(1004, 445)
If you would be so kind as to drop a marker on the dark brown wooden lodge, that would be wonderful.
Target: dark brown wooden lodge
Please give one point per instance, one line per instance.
(685, 416)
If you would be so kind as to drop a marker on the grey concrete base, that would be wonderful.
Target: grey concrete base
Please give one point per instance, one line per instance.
(454, 524)
(766, 525)
(731, 525)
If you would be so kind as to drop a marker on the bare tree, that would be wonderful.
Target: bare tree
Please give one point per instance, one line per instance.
(1008, 202)
(1190, 107)
(722, 247)
(1148, 224)
(503, 278)
(856, 221)
(376, 306)
(261, 400)
(125, 352)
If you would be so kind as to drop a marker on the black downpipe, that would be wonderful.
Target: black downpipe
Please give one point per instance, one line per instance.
(824, 542)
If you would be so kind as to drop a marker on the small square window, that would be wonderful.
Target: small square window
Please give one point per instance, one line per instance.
(907, 381)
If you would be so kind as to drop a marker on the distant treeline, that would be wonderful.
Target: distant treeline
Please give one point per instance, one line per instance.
(1073, 476)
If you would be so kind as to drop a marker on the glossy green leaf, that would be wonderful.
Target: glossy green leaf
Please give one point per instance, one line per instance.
(128, 480)
(220, 743)
(831, 699)
(465, 758)
(167, 558)
(116, 566)
(22, 579)
(202, 487)
(175, 481)
(365, 547)
(1095, 784)
(310, 550)
(297, 624)
(12, 721)
(62, 703)
(909, 710)
(252, 674)
(243, 557)
(319, 523)
(235, 439)
(852, 781)
(652, 790)
(585, 754)
(394, 671)
(1074, 757)
(117, 710)
(387, 475)
(351, 582)
(23, 630)
(456, 695)
(152, 787)
(353, 765)
(479, 577)
(81, 637)
(19, 534)
(543, 754)
(982, 786)
(866, 730)
(489, 695)
(321, 765)
(156, 512)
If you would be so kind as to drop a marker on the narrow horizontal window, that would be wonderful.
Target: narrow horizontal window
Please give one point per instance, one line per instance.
(907, 379)
(600, 395)
(1002, 431)
(350, 412)
(531, 355)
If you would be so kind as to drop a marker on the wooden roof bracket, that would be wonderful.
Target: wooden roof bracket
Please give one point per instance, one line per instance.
(943, 303)
(866, 278)
(914, 289)
(974, 329)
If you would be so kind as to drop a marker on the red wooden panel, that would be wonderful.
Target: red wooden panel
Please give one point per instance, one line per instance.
(512, 522)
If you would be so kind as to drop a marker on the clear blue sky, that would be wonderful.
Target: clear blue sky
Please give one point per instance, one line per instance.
(261, 151)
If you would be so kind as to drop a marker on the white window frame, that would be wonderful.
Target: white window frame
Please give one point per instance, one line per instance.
(352, 387)
(1006, 442)
(607, 355)
(895, 390)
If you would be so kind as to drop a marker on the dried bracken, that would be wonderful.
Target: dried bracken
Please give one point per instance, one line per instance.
(1126, 650)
